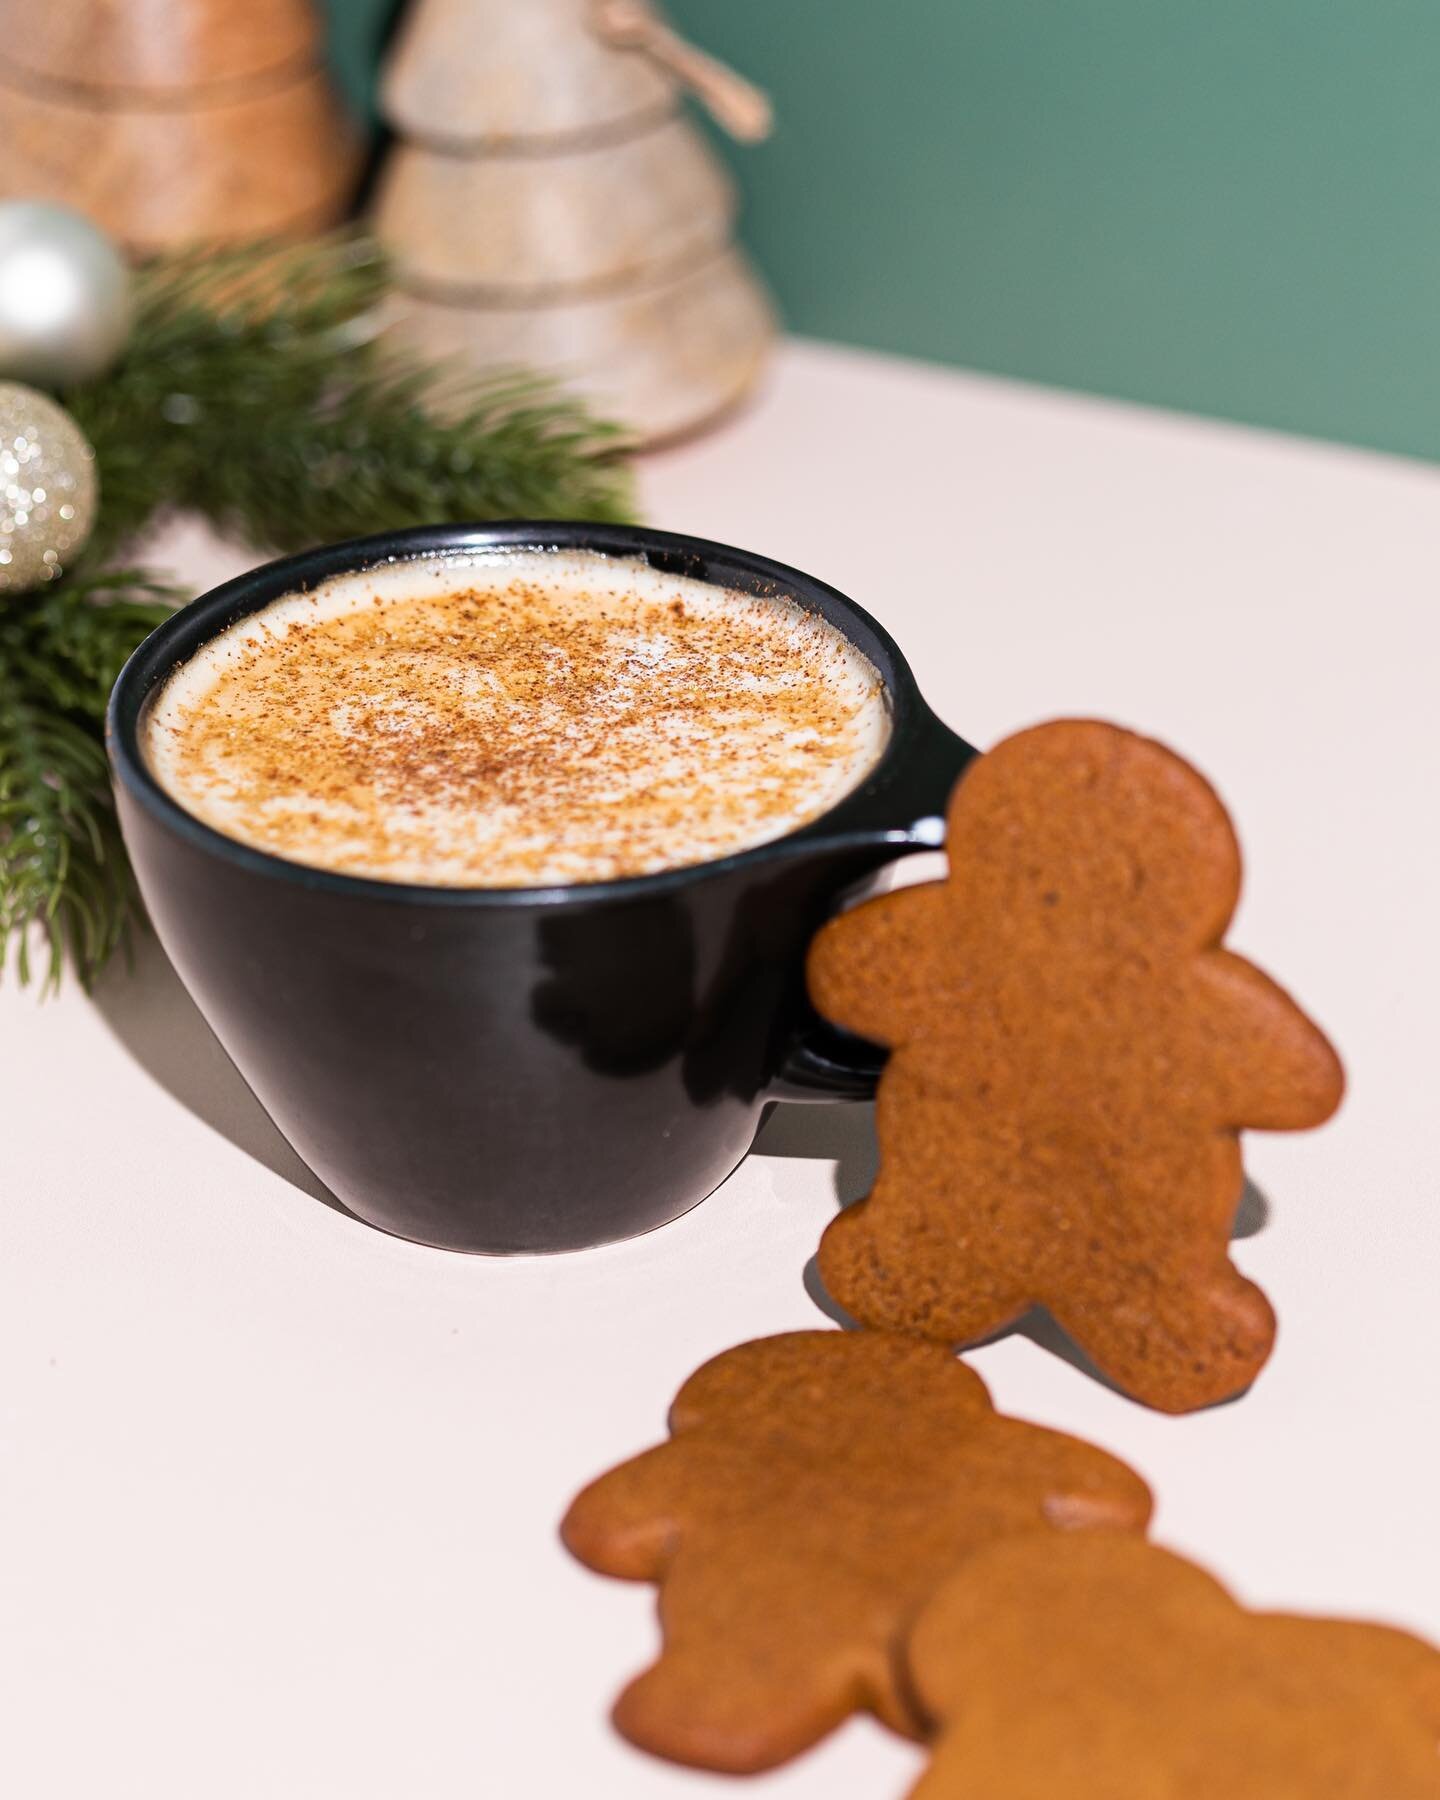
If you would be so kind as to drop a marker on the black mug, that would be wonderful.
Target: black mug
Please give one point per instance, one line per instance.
(533, 1069)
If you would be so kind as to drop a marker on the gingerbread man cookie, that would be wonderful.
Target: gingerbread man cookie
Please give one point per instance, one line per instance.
(1099, 1667)
(816, 1490)
(1073, 1056)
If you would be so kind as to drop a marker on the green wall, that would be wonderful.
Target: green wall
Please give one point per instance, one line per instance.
(1230, 206)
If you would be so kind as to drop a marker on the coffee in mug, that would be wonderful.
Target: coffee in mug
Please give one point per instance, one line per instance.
(517, 719)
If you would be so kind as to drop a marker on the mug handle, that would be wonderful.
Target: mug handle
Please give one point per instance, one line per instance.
(825, 1062)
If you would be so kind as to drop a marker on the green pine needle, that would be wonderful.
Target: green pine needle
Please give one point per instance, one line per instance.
(260, 390)
(64, 880)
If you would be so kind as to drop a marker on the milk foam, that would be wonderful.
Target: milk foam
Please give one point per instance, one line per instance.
(516, 719)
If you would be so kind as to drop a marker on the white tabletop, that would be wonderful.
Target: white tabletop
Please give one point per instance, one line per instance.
(279, 1493)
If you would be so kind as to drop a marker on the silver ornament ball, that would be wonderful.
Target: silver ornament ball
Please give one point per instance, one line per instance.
(65, 304)
(48, 489)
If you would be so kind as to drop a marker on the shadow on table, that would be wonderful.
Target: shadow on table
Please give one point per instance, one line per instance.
(149, 1013)
(838, 1132)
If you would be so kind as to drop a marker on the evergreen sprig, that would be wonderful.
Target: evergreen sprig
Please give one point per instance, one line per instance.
(260, 387)
(64, 878)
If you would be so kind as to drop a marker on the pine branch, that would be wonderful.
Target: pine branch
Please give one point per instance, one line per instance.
(259, 390)
(64, 878)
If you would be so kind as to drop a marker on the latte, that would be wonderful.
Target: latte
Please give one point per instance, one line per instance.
(516, 719)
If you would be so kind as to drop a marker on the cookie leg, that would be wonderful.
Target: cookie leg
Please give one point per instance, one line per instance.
(718, 1706)
(1177, 1342)
(903, 1269)
(745, 1680)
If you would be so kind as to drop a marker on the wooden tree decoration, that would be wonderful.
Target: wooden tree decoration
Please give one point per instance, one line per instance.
(169, 121)
(547, 205)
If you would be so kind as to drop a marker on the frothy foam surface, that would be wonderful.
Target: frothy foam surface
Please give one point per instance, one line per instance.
(516, 719)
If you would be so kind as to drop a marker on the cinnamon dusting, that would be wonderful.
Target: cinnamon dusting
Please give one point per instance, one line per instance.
(520, 731)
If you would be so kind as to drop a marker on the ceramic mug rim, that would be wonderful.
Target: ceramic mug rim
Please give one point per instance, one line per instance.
(852, 820)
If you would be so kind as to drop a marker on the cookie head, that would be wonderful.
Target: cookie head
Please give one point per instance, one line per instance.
(1077, 820)
(1103, 1668)
(829, 1386)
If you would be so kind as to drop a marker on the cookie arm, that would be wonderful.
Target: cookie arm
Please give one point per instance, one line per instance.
(1398, 1663)
(1086, 1488)
(874, 969)
(1280, 1071)
(627, 1522)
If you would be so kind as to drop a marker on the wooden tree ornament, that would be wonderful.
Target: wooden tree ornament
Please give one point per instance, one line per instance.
(169, 121)
(548, 205)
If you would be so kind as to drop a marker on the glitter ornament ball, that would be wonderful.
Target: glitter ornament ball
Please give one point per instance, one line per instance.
(65, 304)
(48, 489)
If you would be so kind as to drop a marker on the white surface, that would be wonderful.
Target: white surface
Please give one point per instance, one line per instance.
(279, 1494)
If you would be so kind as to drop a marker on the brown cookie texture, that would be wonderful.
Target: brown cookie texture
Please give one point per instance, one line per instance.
(1100, 1667)
(1073, 1056)
(816, 1489)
